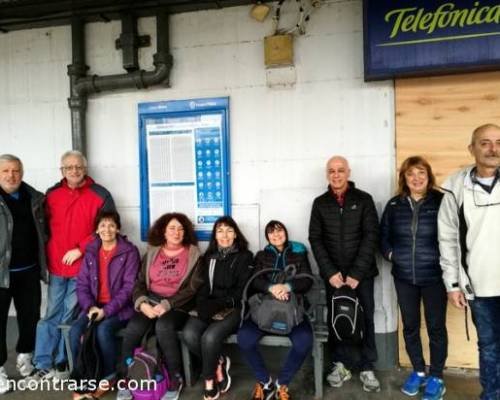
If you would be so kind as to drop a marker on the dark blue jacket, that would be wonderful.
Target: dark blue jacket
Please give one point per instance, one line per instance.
(415, 252)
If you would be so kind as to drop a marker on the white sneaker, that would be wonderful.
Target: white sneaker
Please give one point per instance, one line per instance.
(38, 375)
(24, 364)
(370, 381)
(4, 381)
(61, 373)
(124, 394)
(339, 375)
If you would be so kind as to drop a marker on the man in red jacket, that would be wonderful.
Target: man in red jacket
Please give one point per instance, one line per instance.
(71, 207)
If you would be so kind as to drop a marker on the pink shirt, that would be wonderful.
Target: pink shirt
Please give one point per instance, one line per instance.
(166, 273)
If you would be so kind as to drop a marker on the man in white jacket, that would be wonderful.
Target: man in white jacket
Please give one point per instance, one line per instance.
(469, 236)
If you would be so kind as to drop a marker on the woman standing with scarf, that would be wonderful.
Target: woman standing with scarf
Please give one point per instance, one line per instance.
(225, 271)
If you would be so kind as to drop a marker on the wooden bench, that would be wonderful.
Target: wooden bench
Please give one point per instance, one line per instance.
(317, 315)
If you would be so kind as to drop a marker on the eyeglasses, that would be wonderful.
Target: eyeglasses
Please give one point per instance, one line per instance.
(72, 167)
(475, 200)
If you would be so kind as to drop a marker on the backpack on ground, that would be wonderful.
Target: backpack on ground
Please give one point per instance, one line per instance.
(88, 364)
(146, 372)
(347, 316)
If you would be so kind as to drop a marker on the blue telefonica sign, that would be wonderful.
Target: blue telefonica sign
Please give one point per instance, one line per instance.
(417, 37)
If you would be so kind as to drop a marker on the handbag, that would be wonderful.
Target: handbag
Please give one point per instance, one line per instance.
(273, 315)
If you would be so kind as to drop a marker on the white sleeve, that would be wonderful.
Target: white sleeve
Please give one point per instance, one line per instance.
(449, 241)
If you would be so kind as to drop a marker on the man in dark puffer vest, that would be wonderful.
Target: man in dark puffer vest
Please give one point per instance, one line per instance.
(343, 232)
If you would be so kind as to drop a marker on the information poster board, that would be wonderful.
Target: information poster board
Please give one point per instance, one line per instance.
(184, 157)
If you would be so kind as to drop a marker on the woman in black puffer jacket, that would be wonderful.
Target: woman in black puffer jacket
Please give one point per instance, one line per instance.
(409, 240)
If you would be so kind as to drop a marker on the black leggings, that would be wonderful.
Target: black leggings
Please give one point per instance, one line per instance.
(165, 329)
(206, 339)
(435, 300)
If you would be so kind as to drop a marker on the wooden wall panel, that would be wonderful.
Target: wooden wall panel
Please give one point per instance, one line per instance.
(435, 118)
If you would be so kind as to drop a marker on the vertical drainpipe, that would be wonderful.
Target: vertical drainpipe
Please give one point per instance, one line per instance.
(77, 102)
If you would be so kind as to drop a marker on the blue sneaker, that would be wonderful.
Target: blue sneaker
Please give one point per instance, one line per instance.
(413, 383)
(434, 389)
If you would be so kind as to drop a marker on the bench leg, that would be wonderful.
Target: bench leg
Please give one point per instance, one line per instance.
(186, 362)
(318, 357)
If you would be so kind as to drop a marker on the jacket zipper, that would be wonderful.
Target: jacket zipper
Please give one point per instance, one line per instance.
(414, 227)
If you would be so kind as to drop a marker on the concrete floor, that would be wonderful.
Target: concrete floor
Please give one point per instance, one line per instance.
(460, 385)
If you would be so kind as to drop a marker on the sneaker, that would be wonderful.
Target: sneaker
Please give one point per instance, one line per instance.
(174, 388)
(124, 394)
(211, 394)
(24, 365)
(413, 383)
(4, 381)
(434, 389)
(339, 375)
(263, 392)
(282, 393)
(38, 375)
(223, 377)
(370, 381)
(61, 372)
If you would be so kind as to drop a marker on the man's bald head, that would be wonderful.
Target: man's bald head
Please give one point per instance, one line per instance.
(338, 173)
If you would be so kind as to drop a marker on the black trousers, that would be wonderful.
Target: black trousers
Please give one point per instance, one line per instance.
(363, 355)
(435, 299)
(25, 290)
(165, 329)
(206, 340)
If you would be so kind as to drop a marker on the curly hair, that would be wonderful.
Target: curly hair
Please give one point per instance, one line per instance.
(240, 242)
(420, 163)
(156, 234)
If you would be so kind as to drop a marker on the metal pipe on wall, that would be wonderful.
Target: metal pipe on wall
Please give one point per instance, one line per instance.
(82, 85)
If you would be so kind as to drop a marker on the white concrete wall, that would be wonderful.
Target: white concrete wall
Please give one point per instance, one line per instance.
(280, 138)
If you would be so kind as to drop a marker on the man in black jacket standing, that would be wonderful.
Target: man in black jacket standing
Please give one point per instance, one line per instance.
(22, 261)
(343, 232)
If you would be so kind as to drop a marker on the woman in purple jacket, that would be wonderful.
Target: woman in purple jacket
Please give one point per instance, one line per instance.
(104, 287)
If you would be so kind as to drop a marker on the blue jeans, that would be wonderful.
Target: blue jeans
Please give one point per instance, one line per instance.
(485, 314)
(61, 303)
(106, 340)
(301, 337)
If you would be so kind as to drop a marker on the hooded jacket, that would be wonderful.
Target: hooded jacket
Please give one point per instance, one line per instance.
(467, 236)
(294, 253)
(122, 273)
(71, 214)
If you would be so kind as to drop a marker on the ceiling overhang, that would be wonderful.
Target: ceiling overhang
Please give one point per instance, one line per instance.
(26, 14)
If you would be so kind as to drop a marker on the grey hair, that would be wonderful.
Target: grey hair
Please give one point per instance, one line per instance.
(11, 158)
(74, 153)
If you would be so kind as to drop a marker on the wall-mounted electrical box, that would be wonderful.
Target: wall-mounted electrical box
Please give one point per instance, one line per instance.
(278, 50)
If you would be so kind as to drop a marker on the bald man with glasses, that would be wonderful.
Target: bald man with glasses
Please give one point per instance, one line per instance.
(469, 237)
